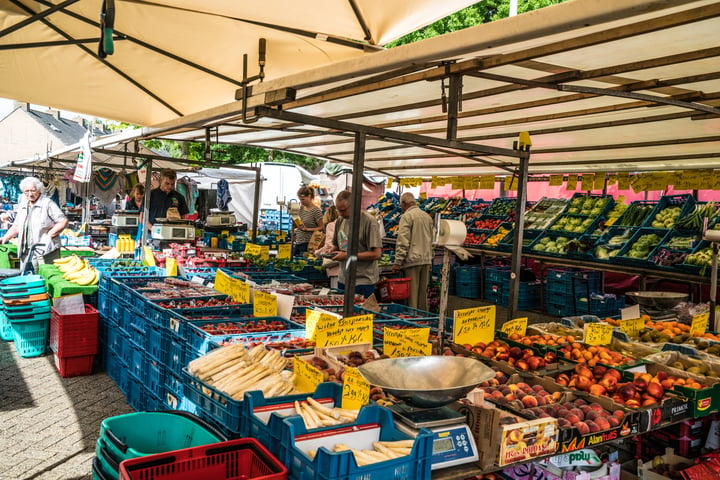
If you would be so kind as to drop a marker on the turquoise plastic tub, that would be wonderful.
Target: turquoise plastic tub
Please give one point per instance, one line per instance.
(21, 282)
(146, 433)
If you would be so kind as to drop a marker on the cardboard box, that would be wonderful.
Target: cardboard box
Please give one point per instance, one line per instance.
(534, 471)
(645, 468)
(503, 437)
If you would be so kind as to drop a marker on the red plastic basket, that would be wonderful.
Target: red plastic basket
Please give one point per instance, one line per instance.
(243, 458)
(74, 335)
(74, 366)
(391, 289)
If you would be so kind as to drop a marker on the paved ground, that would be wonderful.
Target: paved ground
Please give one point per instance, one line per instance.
(49, 424)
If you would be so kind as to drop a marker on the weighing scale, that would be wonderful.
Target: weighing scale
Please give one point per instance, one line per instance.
(122, 219)
(658, 305)
(220, 219)
(425, 385)
(173, 230)
(453, 443)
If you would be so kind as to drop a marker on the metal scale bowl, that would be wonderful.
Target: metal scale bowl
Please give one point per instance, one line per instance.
(657, 304)
(426, 385)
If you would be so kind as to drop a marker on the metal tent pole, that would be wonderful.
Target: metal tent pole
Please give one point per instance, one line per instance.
(355, 212)
(516, 262)
(146, 203)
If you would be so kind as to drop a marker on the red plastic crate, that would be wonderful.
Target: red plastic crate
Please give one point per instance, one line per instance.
(391, 289)
(74, 366)
(74, 335)
(243, 458)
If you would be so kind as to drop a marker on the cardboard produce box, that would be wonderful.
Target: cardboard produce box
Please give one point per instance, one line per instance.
(645, 468)
(503, 437)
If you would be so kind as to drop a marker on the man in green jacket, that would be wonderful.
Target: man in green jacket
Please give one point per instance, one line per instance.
(413, 250)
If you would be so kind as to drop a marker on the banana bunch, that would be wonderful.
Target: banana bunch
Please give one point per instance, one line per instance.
(77, 270)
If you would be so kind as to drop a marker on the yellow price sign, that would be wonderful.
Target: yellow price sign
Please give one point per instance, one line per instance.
(252, 249)
(473, 325)
(148, 257)
(236, 288)
(265, 304)
(632, 326)
(265, 252)
(516, 325)
(284, 251)
(699, 324)
(487, 182)
(598, 333)
(307, 377)
(407, 342)
(556, 180)
(171, 267)
(313, 318)
(623, 180)
(355, 389)
(572, 181)
(333, 331)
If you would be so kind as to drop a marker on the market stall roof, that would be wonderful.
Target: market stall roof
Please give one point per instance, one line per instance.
(600, 85)
(176, 57)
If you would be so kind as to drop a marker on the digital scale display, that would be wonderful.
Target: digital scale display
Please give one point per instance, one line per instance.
(443, 445)
(179, 232)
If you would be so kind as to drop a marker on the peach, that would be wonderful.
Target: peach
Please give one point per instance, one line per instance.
(578, 412)
(529, 401)
(522, 365)
(599, 408)
(582, 427)
(602, 423)
(597, 389)
(583, 383)
(592, 426)
(619, 414)
(562, 380)
(564, 422)
(578, 402)
(613, 421)
(655, 389)
(573, 419)
(599, 371)
(538, 388)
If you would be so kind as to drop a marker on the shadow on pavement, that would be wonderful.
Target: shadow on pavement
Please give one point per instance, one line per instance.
(14, 393)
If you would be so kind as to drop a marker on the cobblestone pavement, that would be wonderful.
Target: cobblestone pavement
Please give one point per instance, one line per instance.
(49, 424)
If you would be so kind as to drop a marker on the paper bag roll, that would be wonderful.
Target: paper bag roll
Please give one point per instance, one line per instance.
(452, 236)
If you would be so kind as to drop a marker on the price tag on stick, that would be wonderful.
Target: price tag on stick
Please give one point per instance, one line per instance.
(307, 377)
(516, 325)
(355, 390)
(473, 325)
(406, 342)
(632, 326)
(699, 324)
(598, 333)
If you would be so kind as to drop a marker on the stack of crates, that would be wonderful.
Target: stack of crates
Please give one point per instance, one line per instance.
(467, 281)
(270, 219)
(74, 341)
(26, 309)
(497, 289)
(564, 286)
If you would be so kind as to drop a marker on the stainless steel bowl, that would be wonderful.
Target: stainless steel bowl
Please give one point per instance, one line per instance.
(658, 300)
(426, 382)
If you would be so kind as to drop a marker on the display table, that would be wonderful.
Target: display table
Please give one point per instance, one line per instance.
(58, 286)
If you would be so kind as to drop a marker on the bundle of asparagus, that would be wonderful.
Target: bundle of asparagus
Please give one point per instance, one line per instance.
(234, 370)
(381, 451)
(315, 414)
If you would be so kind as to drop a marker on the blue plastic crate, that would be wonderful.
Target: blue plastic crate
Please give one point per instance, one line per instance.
(571, 282)
(176, 353)
(560, 307)
(685, 201)
(467, 290)
(528, 296)
(203, 341)
(115, 367)
(468, 274)
(262, 421)
(219, 406)
(136, 363)
(153, 376)
(599, 305)
(154, 344)
(299, 312)
(5, 327)
(328, 465)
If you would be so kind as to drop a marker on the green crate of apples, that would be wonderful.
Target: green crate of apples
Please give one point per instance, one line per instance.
(641, 245)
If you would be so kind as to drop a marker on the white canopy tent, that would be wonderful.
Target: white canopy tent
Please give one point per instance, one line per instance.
(176, 57)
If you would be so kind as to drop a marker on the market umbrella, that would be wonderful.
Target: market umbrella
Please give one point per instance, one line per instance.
(165, 59)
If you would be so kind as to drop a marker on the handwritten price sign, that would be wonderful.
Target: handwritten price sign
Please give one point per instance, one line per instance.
(331, 332)
(598, 333)
(473, 325)
(265, 252)
(516, 325)
(265, 305)
(406, 342)
(313, 318)
(699, 324)
(252, 249)
(236, 288)
(284, 251)
(632, 326)
(355, 390)
(307, 377)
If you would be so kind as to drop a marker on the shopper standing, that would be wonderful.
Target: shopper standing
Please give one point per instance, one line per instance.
(414, 250)
(367, 272)
(38, 220)
(329, 219)
(311, 217)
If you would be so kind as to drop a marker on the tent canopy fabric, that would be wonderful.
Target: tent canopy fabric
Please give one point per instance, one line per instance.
(603, 85)
(176, 57)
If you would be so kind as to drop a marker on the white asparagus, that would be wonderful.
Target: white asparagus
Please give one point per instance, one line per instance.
(214, 358)
(247, 381)
(383, 449)
(306, 419)
(322, 408)
(216, 378)
(235, 377)
(399, 444)
(310, 413)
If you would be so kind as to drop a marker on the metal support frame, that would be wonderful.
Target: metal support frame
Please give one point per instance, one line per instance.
(256, 204)
(353, 232)
(146, 203)
(713, 288)
(516, 259)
